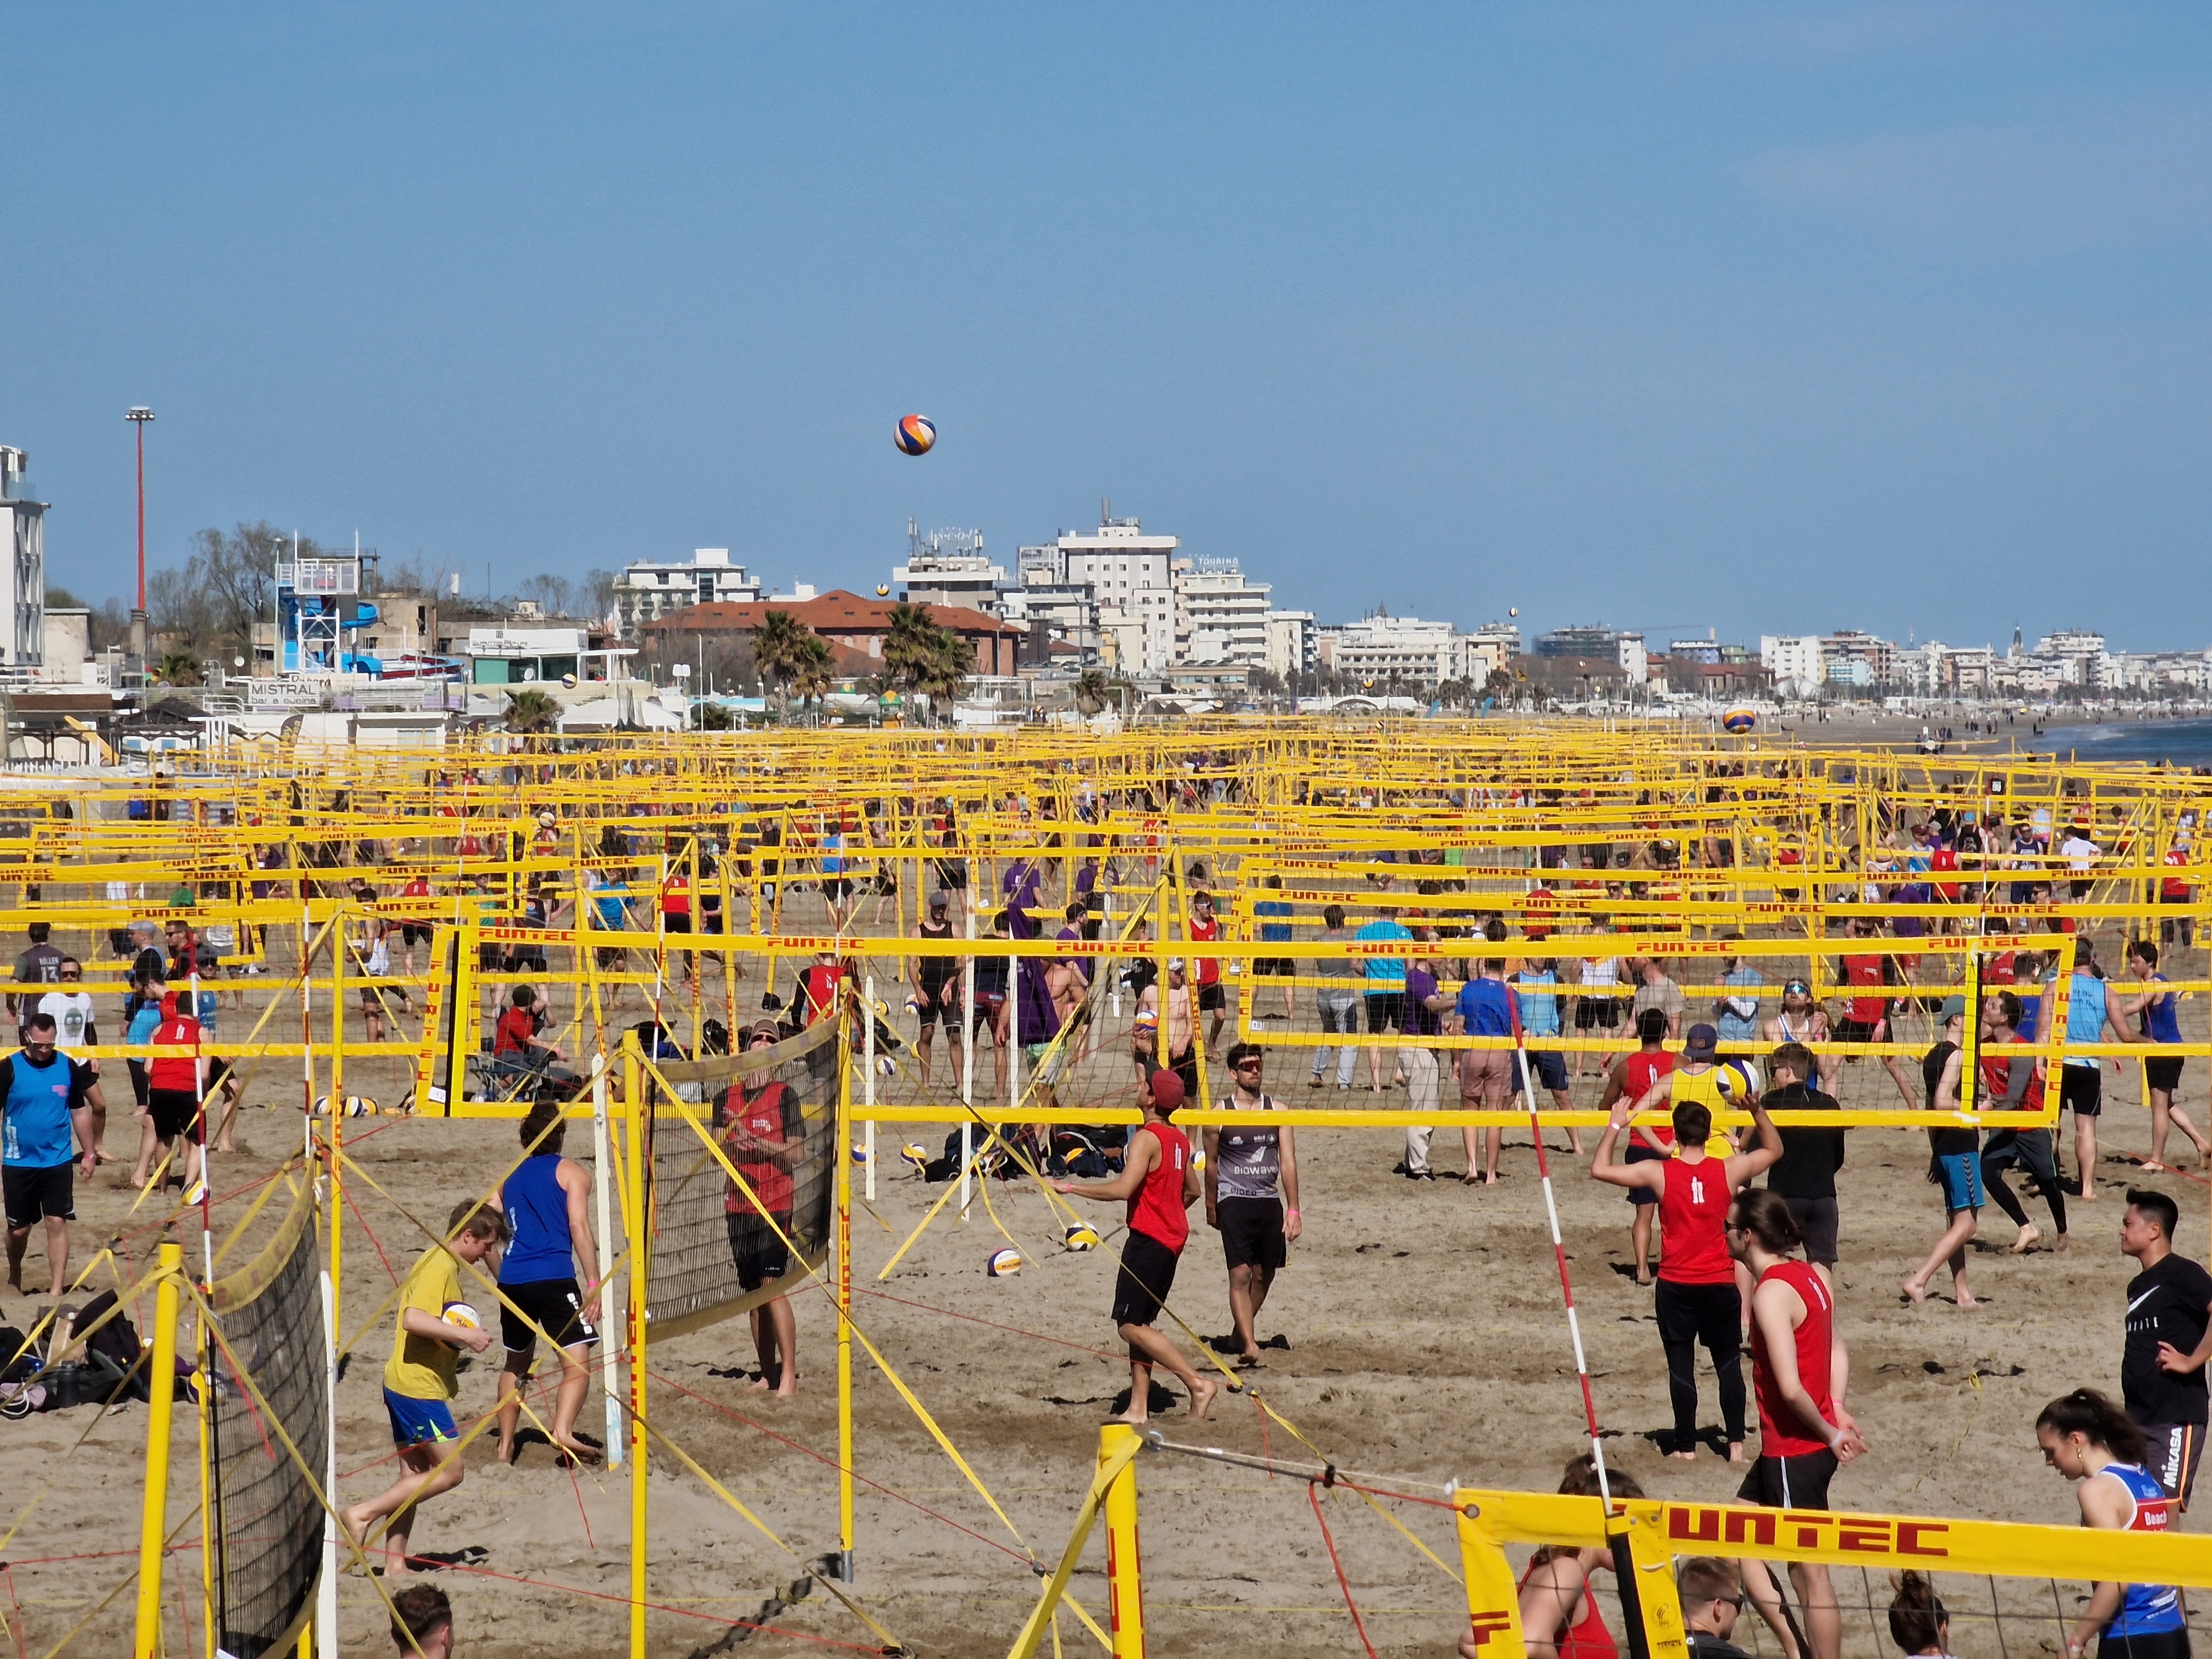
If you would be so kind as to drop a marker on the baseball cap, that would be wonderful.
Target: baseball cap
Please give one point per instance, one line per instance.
(763, 1028)
(1166, 1089)
(1174, 965)
(939, 899)
(1703, 1043)
(1954, 1008)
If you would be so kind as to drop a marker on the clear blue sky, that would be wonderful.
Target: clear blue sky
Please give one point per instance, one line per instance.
(1754, 316)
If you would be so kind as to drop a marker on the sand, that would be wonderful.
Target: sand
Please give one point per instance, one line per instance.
(1427, 1343)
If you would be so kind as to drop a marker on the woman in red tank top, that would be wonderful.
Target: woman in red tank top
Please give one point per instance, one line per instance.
(1559, 1615)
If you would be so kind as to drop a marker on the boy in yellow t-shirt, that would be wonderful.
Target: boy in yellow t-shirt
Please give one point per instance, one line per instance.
(420, 1377)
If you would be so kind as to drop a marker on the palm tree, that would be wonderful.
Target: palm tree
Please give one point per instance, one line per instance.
(530, 711)
(946, 674)
(810, 674)
(909, 645)
(779, 647)
(1093, 692)
(178, 668)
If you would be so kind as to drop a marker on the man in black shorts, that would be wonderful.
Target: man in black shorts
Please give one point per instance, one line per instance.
(766, 1133)
(2167, 1340)
(46, 1102)
(1805, 1175)
(1251, 1198)
(937, 988)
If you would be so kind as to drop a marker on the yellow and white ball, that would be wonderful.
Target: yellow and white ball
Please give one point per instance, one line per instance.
(1004, 1263)
(461, 1314)
(1080, 1236)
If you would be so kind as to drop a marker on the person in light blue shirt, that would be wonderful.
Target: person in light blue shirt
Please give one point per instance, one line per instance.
(1539, 1018)
(2090, 1018)
(1737, 1016)
(1386, 987)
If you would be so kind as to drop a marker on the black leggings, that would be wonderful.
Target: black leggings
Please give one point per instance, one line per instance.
(2030, 1147)
(1712, 1315)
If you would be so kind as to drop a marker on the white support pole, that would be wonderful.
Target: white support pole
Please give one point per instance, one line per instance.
(868, 1087)
(603, 1180)
(326, 1590)
(968, 1039)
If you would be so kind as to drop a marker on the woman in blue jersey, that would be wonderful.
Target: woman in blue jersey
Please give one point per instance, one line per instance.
(546, 1279)
(2088, 1438)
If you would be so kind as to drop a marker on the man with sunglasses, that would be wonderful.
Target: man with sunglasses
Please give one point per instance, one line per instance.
(45, 1099)
(1251, 1199)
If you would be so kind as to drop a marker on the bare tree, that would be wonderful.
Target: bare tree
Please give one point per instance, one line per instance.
(236, 576)
(597, 594)
(553, 594)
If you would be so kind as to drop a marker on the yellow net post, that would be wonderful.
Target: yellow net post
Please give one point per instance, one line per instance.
(1125, 1587)
(153, 1514)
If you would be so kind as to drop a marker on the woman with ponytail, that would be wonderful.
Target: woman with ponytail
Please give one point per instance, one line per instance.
(1919, 1622)
(2087, 1437)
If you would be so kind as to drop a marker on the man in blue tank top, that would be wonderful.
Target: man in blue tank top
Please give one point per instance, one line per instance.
(546, 1280)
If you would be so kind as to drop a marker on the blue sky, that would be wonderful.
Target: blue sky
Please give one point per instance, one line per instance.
(1740, 316)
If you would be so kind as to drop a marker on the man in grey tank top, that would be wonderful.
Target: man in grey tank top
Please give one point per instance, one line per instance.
(1251, 1199)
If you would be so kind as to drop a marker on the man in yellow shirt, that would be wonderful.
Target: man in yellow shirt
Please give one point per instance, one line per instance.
(421, 1376)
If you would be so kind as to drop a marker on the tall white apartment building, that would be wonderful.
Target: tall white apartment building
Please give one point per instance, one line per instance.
(1132, 577)
(1219, 616)
(1793, 660)
(1293, 644)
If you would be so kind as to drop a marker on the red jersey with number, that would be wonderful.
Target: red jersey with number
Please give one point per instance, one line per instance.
(676, 896)
(1157, 1210)
(1816, 1344)
(1641, 1070)
(1694, 1207)
(2173, 887)
(1206, 933)
(773, 1114)
(1944, 860)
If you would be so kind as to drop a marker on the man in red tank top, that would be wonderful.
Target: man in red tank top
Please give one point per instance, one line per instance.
(1158, 1182)
(1799, 1369)
(1697, 1302)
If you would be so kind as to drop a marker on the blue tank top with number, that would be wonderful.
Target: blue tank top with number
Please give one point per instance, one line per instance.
(537, 1213)
(2146, 1609)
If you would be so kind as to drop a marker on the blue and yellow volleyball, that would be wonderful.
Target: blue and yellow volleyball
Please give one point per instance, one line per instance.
(1741, 719)
(914, 1154)
(1003, 1264)
(916, 434)
(1080, 1236)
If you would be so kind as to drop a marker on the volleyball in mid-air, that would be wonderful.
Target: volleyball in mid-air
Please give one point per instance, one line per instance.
(1003, 1264)
(1741, 719)
(882, 590)
(916, 434)
(459, 1313)
(1081, 1236)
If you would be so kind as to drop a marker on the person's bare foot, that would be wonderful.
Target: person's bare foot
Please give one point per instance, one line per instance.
(1689, 1457)
(580, 1451)
(2059, 1244)
(788, 1388)
(2088, 1194)
(2029, 1237)
(506, 1453)
(1644, 1277)
(1966, 1299)
(1916, 1290)
(1201, 1398)
(355, 1527)
(1735, 1451)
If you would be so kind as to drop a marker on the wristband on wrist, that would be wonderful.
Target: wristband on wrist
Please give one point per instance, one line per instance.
(1288, 1213)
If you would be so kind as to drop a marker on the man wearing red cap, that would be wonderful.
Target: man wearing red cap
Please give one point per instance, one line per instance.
(1158, 1182)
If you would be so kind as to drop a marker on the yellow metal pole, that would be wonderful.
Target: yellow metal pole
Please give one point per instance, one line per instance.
(1493, 1603)
(632, 1097)
(153, 1516)
(844, 1156)
(1125, 1589)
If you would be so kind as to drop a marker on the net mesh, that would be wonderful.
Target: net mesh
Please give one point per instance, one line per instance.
(268, 1521)
(701, 1225)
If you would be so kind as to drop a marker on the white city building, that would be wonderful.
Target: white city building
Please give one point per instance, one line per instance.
(1381, 648)
(1491, 647)
(1219, 616)
(1293, 644)
(648, 590)
(1794, 661)
(949, 567)
(1635, 661)
(1132, 574)
(22, 566)
(2079, 657)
